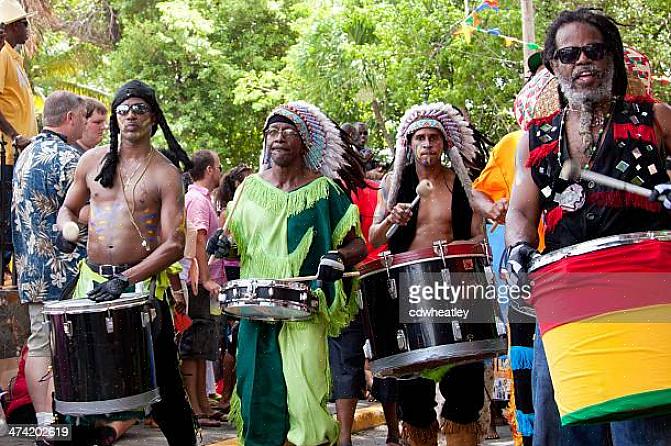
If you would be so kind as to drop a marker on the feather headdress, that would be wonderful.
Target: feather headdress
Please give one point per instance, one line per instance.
(455, 129)
(329, 150)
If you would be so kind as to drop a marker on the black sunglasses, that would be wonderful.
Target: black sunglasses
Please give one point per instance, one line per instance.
(137, 109)
(571, 54)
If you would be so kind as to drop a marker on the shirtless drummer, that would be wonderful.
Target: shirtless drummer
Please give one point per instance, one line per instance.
(136, 230)
(426, 133)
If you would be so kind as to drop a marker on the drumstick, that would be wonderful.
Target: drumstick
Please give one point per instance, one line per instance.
(423, 189)
(228, 219)
(572, 171)
(311, 278)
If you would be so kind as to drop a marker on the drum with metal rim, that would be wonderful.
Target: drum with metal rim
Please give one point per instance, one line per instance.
(268, 300)
(404, 350)
(103, 356)
(604, 314)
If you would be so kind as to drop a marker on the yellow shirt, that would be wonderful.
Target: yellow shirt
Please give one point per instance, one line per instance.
(16, 97)
(497, 179)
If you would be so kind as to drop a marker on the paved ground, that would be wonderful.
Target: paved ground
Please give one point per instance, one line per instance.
(223, 436)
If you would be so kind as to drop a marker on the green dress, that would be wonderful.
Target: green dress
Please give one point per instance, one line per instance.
(283, 375)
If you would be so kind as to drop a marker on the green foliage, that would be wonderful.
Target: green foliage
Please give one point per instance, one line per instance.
(219, 66)
(198, 56)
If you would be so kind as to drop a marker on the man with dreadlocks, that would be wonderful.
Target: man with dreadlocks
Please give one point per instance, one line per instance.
(428, 132)
(294, 219)
(601, 129)
(136, 231)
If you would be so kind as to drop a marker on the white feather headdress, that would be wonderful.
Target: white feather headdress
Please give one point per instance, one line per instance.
(327, 151)
(458, 136)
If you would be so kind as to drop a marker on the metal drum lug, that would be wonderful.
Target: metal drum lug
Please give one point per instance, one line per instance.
(358, 295)
(391, 287)
(445, 274)
(456, 331)
(67, 328)
(401, 340)
(145, 318)
(439, 248)
(367, 350)
(387, 259)
(109, 322)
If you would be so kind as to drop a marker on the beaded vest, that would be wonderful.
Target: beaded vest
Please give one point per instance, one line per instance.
(629, 152)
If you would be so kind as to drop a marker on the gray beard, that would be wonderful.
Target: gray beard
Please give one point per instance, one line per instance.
(585, 101)
(578, 99)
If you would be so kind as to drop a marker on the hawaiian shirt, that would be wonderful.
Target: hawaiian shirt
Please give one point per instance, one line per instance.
(42, 175)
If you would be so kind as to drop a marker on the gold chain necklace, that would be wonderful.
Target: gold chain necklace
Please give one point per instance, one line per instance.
(130, 204)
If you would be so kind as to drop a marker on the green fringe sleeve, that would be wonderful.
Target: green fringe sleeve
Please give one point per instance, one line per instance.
(344, 308)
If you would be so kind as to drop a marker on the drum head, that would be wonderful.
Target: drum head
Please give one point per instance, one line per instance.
(597, 245)
(265, 283)
(410, 364)
(265, 310)
(453, 250)
(76, 306)
(268, 300)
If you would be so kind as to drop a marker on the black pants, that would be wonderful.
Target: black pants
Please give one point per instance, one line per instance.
(463, 390)
(347, 359)
(173, 413)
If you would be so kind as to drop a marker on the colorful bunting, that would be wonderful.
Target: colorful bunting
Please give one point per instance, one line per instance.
(466, 31)
(471, 24)
(488, 4)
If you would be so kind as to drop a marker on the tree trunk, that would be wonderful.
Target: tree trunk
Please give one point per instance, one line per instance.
(377, 111)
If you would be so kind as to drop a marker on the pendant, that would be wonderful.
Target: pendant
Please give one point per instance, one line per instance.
(145, 245)
(573, 198)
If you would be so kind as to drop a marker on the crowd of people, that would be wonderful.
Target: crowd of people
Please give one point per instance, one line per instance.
(177, 229)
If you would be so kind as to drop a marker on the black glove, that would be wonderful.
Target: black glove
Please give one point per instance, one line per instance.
(519, 257)
(662, 190)
(331, 267)
(110, 290)
(218, 245)
(63, 245)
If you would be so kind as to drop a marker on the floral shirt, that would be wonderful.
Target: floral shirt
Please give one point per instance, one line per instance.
(42, 175)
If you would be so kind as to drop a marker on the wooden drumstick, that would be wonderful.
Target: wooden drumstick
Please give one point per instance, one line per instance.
(311, 278)
(571, 171)
(423, 190)
(228, 219)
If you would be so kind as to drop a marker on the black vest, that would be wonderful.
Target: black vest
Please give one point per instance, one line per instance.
(462, 213)
(629, 153)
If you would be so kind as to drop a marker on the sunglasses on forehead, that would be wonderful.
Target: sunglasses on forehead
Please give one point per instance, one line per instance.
(137, 109)
(571, 54)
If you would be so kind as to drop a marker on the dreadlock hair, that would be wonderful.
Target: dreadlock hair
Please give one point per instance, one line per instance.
(138, 89)
(611, 39)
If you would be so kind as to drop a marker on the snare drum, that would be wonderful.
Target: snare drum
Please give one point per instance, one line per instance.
(268, 300)
(604, 313)
(103, 358)
(405, 349)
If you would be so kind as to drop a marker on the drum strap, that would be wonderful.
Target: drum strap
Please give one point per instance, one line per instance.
(69, 288)
(151, 299)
